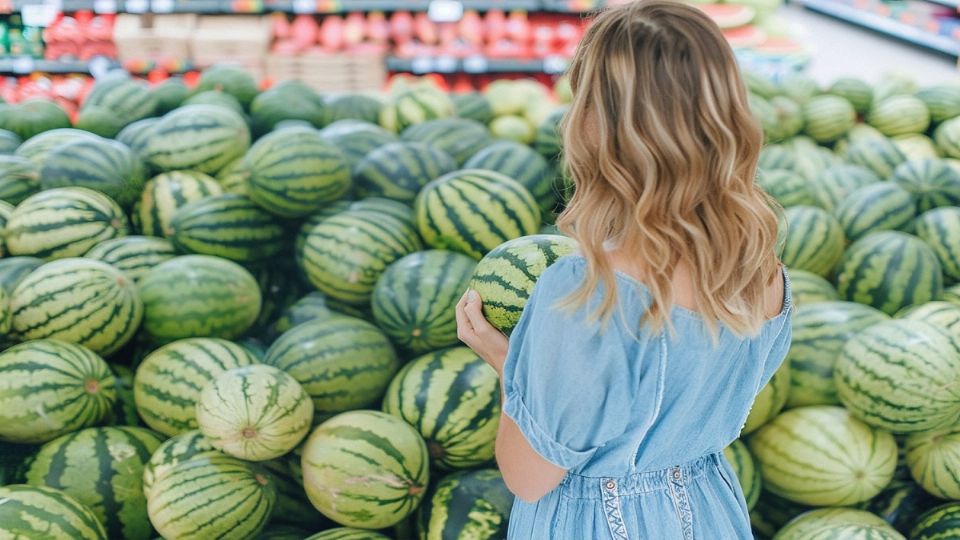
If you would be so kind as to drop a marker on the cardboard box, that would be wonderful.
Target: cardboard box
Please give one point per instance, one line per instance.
(154, 37)
(238, 39)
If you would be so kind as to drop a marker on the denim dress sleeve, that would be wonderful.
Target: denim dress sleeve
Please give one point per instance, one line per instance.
(778, 335)
(566, 402)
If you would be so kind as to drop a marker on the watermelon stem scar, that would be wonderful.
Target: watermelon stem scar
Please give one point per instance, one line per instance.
(249, 432)
(261, 479)
(91, 386)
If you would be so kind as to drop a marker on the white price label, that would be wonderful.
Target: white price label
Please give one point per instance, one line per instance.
(161, 6)
(23, 64)
(421, 64)
(475, 64)
(445, 64)
(105, 6)
(136, 6)
(304, 6)
(99, 66)
(554, 64)
(39, 14)
(445, 11)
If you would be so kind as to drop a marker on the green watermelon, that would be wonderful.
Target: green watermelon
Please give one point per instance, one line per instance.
(943, 314)
(901, 504)
(942, 522)
(42, 512)
(203, 138)
(769, 401)
(355, 139)
(100, 121)
(132, 255)
(876, 207)
(347, 533)
(9, 141)
(228, 226)
(129, 99)
(474, 106)
(167, 192)
(548, 138)
(938, 229)
(216, 98)
(14, 269)
(857, 92)
(943, 101)
(353, 107)
(311, 306)
(772, 513)
(231, 80)
(466, 505)
(799, 87)
(828, 118)
(365, 468)
(880, 156)
(32, 117)
(170, 94)
(808, 288)
(832, 186)
(100, 164)
(899, 115)
(19, 179)
(134, 135)
(934, 461)
(778, 157)
(184, 447)
(37, 148)
(124, 408)
(415, 106)
(524, 165)
(460, 138)
(399, 170)
(932, 181)
(827, 523)
(814, 240)
(744, 466)
(917, 146)
(235, 177)
(787, 187)
(288, 100)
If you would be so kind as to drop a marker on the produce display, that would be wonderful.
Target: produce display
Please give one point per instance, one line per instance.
(228, 312)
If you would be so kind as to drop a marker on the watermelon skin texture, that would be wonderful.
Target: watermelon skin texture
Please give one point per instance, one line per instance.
(353, 107)
(133, 255)
(199, 296)
(547, 141)
(343, 363)
(37, 148)
(824, 456)
(770, 400)
(829, 523)
(876, 207)
(940, 522)
(165, 193)
(934, 461)
(814, 240)
(899, 115)
(78, 390)
(42, 512)
(295, 171)
(460, 138)
(391, 449)
(940, 229)
(32, 117)
(881, 156)
(19, 179)
(932, 181)
(787, 187)
(896, 387)
(347, 533)
(828, 118)
(230, 80)
(78, 301)
(399, 170)
(63, 222)
(355, 139)
(889, 270)
(452, 398)
(744, 466)
(169, 380)
(212, 497)
(103, 469)
(523, 164)
(467, 504)
(203, 138)
(474, 106)
(414, 301)
(184, 447)
(809, 288)
(415, 106)
(228, 226)
(128, 99)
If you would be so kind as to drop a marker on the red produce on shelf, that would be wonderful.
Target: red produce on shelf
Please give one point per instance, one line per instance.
(496, 25)
(425, 30)
(280, 26)
(378, 29)
(304, 31)
(331, 35)
(518, 27)
(401, 27)
(471, 27)
(354, 29)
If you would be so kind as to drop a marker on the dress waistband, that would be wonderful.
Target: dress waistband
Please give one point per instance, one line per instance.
(590, 487)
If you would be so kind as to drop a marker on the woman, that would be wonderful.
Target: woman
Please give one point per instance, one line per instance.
(636, 362)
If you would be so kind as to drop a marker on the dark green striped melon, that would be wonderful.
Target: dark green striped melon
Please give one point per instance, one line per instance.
(6, 209)
(413, 106)
(947, 138)
(203, 138)
(876, 207)
(473, 211)
(854, 90)
(32, 117)
(295, 171)
(169, 380)
(523, 164)
(9, 141)
(19, 179)
(100, 164)
(943, 314)
(769, 401)
(228, 226)
(124, 411)
(917, 147)
(835, 523)
(901, 504)
(940, 229)
(103, 469)
(342, 362)
(100, 121)
(787, 187)
(940, 523)
(288, 100)
(365, 468)
(415, 299)
(899, 115)
(133, 255)
(184, 447)
(198, 296)
(134, 135)
(772, 513)
(932, 181)
(255, 412)
(293, 509)
(80, 301)
(212, 497)
(48, 388)
(473, 105)
(231, 80)
(744, 466)
(778, 157)
(216, 98)
(880, 156)
(889, 270)
(345, 254)
(170, 94)
(167, 192)
(353, 107)
(129, 99)
(381, 206)
(453, 399)
(235, 177)
(280, 287)
(799, 87)
(472, 505)
(355, 139)
(460, 138)
(823, 456)
(311, 306)
(347, 533)
(814, 240)
(63, 222)
(13, 270)
(832, 186)
(819, 333)
(891, 376)
(934, 461)
(942, 100)
(547, 141)
(828, 118)
(399, 170)
(40, 512)
(37, 147)
(505, 277)
(808, 288)
(786, 119)
(6, 313)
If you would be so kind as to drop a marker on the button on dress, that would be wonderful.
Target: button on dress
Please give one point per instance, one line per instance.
(638, 419)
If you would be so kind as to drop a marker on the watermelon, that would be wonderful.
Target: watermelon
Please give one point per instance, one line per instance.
(459, 138)
(6, 209)
(9, 141)
(345, 254)
(880, 156)
(899, 115)
(14, 269)
(917, 146)
(415, 106)
(235, 177)
(943, 101)
(184, 447)
(103, 469)
(934, 461)
(399, 170)
(288, 100)
(466, 505)
(212, 497)
(170, 94)
(854, 90)
(42, 512)
(134, 135)
(772, 513)
(831, 523)
(474, 106)
(228, 226)
(310, 307)
(822, 456)
(524, 165)
(473, 211)
(100, 164)
(365, 469)
(415, 299)
(513, 128)
(203, 138)
(819, 333)
(342, 362)
(132, 255)
(932, 181)
(216, 98)
(941, 522)
(889, 270)
(828, 118)
(769, 401)
(80, 301)
(891, 376)
(169, 380)
(6, 314)
(167, 192)
(814, 240)
(452, 398)
(355, 139)
(295, 171)
(808, 288)
(947, 137)
(901, 504)
(943, 314)
(128, 99)
(832, 186)
(124, 411)
(49, 388)
(32, 117)
(346, 533)
(231, 80)
(292, 507)
(787, 187)
(744, 466)
(63, 222)
(353, 107)
(547, 141)
(198, 296)
(876, 207)
(799, 87)
(100, 121)
(19, 179)
(37, 148)
(935, 228)
(778, 156)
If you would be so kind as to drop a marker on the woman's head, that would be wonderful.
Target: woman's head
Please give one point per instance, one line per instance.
(662, 149)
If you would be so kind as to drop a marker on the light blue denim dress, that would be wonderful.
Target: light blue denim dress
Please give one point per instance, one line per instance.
(639, 420)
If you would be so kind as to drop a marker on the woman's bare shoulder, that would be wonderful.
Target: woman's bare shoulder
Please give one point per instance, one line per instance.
(774, 294)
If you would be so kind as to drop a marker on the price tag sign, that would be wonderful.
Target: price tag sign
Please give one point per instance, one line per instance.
(445, 64)
(304, 6)
(39, 14)
(105, 6)
(421, 64)
(445, 11)
(136, 6)
(161, 6)
(554, 64)
(24, 64)
(475, 64)
(99, 66)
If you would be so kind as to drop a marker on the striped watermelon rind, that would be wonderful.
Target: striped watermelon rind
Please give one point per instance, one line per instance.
(133, 255)
(814, 240)
(460, 138)
(932, 181)
(809, 288)
(167, 192)
(813, 523)
(876, 207)
(44, 512)
(940, 229)
(204, 138)
(347, 533)
(899, 115)
(399, 170)
(19, 178)
(415, 106)
(769, 401)
(940, 522)
(183, 447)
(104, 165)
(229, 226)
(467, 504)
(745, 468)
(523, 164)
(934, 461)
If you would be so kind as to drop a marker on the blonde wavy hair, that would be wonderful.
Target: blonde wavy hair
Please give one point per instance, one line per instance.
(662, 150)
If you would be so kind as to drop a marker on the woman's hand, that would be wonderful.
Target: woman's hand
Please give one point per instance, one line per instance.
(477, 333)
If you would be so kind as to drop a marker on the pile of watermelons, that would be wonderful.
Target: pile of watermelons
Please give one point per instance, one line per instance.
(229, 313)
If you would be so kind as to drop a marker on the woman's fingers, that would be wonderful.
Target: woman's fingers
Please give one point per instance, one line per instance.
(474, 313)
(464, 327)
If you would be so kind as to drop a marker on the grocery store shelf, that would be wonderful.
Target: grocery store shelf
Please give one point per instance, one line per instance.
(955, 4)
(25, 65)
(304, 6)
(476, 65)
(886, 25)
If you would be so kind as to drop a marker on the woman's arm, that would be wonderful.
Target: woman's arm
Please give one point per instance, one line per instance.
(525, 472)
